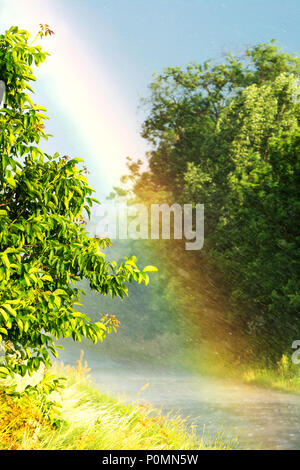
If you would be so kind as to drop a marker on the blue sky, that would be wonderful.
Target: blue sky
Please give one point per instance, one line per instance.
(153, 34)
(110, 49)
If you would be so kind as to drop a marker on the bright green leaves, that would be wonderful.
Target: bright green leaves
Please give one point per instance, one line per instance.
(44, 246)
(21, 122)
(150, 269)
(4, 372)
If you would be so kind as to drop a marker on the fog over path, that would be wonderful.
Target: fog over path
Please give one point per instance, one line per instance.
(261, 418)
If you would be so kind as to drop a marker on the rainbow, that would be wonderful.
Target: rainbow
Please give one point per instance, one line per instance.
(87, 94)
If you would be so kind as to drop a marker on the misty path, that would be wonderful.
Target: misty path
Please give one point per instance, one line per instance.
(259, 418)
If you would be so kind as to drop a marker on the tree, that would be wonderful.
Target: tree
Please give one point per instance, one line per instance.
(44, 246)
(227, 135)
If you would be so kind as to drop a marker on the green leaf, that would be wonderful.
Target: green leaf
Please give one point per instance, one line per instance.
(150, 269)
(4, 371)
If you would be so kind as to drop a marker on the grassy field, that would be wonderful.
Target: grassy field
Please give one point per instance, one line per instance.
(90, 419)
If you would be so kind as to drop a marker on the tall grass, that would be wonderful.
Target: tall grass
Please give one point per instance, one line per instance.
(21, 422)
(90, 419)
(284, 377)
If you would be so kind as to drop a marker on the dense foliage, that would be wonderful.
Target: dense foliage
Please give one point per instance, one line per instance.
(227, 135)
(45, 248)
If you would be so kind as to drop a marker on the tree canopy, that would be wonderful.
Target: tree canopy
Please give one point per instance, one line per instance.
(226, 134)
